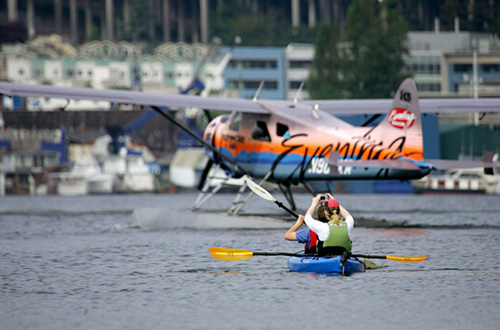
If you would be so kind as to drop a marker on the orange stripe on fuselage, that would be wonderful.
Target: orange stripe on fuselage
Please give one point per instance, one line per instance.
(354, 149)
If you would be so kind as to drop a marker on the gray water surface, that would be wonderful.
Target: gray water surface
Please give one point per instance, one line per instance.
(81, 263)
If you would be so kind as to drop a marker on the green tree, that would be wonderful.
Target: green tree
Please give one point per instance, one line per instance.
(323, 81)
(270, 28)
(137, 30)
(375, 45)
(474, 16)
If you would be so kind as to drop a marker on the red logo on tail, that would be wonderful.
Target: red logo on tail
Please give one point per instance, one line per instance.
(401, 118)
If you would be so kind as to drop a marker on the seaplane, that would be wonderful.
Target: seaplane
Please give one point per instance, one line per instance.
(291, 142)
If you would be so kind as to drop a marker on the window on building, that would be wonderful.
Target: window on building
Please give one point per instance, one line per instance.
(253, 64)
(490, 68)
(436, 68)
(429, 87)
(294, 84)
(272, 84)
(233, 84)
(169, 75)
(38, 73)
(462, 67)
(252, 84)
(300, 64)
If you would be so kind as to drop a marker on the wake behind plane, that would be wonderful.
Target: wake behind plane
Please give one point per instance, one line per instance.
(290, 142)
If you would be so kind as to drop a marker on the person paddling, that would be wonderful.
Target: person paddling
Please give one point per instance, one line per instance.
(335, 236)
(306, 236)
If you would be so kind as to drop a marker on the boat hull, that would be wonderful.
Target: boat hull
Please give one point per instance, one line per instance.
(323, 265)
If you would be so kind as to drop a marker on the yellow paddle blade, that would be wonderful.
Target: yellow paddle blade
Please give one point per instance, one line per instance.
(230, 254)
(407, 259)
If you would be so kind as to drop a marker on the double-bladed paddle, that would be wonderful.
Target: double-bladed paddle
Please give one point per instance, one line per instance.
(238, 254)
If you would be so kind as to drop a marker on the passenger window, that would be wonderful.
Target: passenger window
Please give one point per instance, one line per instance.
(260, 132)
(282, 130)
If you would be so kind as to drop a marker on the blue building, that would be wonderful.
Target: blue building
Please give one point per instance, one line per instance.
(251, 66)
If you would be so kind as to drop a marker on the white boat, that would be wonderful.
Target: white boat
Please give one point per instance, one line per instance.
(465, 181)
(101, 183)
(131, 173)
(85, 177)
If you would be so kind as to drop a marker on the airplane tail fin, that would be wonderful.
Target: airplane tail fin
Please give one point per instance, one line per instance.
(401, 129)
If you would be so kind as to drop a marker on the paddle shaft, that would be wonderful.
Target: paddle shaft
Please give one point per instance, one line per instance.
(366, 256)
(369, 256)
(289, 254)
(283, 254)
(263, 193)
(286, 209)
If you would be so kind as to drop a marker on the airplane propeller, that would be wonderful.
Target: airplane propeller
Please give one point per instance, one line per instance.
(168, 116)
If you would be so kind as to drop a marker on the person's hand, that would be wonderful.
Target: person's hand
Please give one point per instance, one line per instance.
(300, 219)
(316, 200)
(330, 196)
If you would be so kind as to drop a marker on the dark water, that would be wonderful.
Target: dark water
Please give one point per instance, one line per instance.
(80, 263)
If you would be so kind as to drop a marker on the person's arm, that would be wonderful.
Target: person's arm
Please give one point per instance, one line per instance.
(349, 220)
(320, 228)
(343, 212)
(314, 204)
(291, 235)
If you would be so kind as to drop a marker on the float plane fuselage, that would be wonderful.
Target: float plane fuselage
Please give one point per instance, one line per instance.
(296, 142)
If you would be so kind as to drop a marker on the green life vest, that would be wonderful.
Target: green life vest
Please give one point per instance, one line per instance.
(338, 236)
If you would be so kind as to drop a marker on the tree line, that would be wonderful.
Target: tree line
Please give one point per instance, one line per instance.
(367, 60)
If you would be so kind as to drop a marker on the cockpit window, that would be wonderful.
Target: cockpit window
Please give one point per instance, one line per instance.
(235, 123)
(260, 132)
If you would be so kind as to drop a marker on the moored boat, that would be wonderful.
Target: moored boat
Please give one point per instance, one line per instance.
(325, 265)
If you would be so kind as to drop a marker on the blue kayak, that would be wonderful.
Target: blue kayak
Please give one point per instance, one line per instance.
(324, 265)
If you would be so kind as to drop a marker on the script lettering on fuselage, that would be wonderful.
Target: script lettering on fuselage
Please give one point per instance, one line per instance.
(314, 162)
(358, 148)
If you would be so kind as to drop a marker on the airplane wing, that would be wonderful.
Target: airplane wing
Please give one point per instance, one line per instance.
(380, 106)
(337, 107)
(131, 97)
